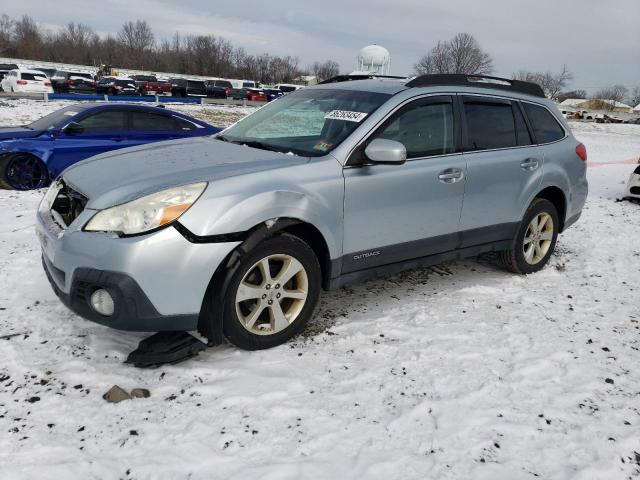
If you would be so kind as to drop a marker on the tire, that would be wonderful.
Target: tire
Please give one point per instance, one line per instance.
(268, 316)
(10, 179)
(531, 249)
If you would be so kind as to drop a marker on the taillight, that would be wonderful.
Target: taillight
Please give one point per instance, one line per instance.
(47, 84)
(21, 82)
(581, 151)
(227, 92)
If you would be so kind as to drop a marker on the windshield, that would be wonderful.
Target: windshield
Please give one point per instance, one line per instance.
(309, 122)
(54, 119)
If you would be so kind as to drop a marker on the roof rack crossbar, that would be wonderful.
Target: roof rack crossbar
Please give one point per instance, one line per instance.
(481, 81)
(359, 76)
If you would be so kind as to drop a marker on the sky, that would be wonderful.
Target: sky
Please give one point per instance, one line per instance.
(598, 40)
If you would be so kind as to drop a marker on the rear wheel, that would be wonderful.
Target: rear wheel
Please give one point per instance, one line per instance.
(22, 171)
(272, 293)
(535, 240)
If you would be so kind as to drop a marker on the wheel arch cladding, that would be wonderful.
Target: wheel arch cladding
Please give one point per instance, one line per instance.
(556, 196)
(211, 314)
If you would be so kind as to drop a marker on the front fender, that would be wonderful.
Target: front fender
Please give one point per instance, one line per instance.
(37, 148)
(310, 193)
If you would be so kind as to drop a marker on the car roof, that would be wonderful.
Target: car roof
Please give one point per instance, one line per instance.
(381, 85)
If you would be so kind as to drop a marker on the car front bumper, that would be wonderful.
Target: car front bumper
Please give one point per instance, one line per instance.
(157, 281)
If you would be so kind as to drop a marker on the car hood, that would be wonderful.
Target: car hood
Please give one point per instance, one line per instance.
(123, 175)
(12, 133)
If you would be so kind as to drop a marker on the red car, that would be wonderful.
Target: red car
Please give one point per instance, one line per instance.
(256, 95)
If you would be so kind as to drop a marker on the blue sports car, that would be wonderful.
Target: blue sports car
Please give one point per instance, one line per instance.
(32, 155)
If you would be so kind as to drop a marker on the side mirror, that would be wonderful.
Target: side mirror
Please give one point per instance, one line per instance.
(73, 129)
(386, 151)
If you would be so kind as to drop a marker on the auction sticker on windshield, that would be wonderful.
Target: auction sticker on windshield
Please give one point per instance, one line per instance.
(345, 115)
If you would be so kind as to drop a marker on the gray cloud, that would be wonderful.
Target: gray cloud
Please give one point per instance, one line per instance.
(599, 40)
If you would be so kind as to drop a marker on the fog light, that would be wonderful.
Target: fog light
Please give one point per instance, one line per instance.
(102, 302)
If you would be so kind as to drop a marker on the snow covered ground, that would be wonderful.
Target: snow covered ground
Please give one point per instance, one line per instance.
(460, 371)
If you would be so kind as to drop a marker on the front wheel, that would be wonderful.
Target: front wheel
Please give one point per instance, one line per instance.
(535, 240)
(22, 171)
(272, 293)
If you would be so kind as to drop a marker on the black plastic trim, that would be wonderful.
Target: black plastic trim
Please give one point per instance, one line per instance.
(220, 238)
(347, 78)
(478, 81)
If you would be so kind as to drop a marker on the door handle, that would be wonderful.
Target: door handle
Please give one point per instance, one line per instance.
(451, 175)
(530, 164)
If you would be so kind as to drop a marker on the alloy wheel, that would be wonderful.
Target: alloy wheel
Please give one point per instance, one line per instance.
(538, 238)
(271, 294)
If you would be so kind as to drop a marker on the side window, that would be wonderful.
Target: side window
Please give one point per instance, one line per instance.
(152, 121)
(424, 129)
(183, 124)
(522, 132)
(545, 127)
(104, 121)
(489, 125)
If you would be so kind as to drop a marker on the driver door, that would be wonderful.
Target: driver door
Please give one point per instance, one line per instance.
(99, 132)
(394, 213)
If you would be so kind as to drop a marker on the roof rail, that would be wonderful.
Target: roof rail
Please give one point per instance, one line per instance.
(481, 81)
(357, 76)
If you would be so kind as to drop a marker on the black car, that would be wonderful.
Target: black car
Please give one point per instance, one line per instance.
(218, 88)
(66, 81)
(116, 86)
(181, 87)
(5, 67)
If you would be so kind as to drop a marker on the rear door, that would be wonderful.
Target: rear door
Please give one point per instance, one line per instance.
(101, 132)
(398, 212)
(503, 166)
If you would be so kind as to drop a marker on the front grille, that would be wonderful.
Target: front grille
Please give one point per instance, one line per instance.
(68, 204)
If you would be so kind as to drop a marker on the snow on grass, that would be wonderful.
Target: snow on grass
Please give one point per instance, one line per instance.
(456, 371)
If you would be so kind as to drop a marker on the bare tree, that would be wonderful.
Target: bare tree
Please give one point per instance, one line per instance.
(551, 83)
(6, 30)
(27, 38)
(634, 96)
(137, 40)
(461, 54)
(325, 70)
(608, 98)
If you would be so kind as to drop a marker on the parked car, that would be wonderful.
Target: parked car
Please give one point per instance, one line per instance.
(288, 87)
(150, 85)
(634, 121)
(66, 81)
(32, 155)
(218, 88)
(632, 192)
(181, 87)
(116, 86)
(5, 67)
(26, 81)
(240, 87)
(273, 93)
(330, 184)
(256, 95)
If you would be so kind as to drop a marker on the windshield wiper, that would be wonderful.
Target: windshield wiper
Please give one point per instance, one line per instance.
(262, 146)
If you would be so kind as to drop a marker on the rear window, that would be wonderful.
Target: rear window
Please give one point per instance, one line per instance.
(33, 76)
(144, 78)
(545, 127)
(490, 125)
(248, 84)
(223, 83)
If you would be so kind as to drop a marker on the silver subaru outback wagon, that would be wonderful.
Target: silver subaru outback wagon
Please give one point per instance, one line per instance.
(235, 235)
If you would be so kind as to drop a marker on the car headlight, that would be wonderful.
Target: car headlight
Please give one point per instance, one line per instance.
(146, 213)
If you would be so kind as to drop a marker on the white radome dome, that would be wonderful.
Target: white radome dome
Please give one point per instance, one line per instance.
(374, 55)
(374, 59)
